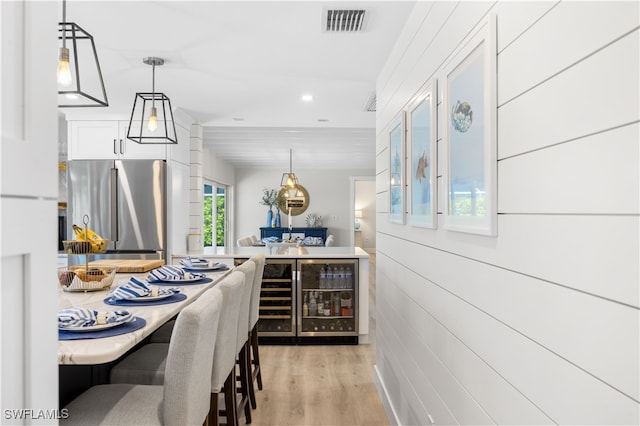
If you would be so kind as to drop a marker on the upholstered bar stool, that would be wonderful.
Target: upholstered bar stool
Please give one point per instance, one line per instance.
(182, 399)
(242, 342)
(224, 357)
(145, 364)
(254, 313)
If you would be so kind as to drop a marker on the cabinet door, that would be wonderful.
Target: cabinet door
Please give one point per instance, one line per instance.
(93, 140)
(131, 150)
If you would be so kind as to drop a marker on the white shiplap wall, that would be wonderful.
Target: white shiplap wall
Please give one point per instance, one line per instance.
(540, 324)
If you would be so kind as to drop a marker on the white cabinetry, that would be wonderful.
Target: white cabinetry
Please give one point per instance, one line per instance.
(103, 140)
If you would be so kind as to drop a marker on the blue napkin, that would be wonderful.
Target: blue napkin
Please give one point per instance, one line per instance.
(80, 317)
(191, 262)
(136, 288)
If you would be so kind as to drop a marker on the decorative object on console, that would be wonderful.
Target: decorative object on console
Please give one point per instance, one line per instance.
(313, 221)
(269, 199)
(81, 49)
(157, 128)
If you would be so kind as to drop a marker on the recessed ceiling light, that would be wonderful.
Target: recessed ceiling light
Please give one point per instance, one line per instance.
(307, 98)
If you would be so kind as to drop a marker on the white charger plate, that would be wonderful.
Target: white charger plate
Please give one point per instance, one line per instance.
(149, 298)
(182, 280)
(97, 327)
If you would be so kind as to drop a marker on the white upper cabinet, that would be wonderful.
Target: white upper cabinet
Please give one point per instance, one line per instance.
(95, 140)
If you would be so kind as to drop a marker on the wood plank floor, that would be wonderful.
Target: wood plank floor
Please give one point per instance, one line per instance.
(320, 385)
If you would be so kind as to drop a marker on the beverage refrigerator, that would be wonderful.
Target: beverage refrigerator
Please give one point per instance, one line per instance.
(327, 298)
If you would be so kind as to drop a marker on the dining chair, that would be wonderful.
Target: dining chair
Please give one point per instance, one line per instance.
(254, 313)
(248, 268)
(182, 399)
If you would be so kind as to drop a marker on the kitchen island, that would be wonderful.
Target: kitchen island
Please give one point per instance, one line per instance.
(308, 293)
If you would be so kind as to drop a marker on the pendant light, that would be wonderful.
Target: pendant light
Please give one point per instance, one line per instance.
(289, 180)
(151, 117)
(80, 81)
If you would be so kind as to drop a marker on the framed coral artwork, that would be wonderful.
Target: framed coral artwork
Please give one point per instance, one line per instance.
(422, 154)
(469, 135)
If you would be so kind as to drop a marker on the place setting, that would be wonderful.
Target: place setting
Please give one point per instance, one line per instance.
(197, 264)
(139, 293)
(82, 323)
(173, 275)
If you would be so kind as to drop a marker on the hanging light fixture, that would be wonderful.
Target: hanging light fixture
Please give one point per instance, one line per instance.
(289, 180)
(152, 118)
(79, 76)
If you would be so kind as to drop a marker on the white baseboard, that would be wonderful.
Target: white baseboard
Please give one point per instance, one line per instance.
(392, 416)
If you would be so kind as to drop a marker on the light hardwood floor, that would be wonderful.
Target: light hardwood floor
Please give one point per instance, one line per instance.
(320, 385)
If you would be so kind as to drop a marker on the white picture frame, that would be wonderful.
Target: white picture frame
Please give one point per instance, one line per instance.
(397, 154)
(422, 154)
(469, 135)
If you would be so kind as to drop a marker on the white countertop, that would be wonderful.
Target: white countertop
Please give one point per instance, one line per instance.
(99, 351)
(281, 252)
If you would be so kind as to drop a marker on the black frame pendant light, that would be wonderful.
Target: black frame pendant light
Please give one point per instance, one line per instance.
(152, 117)
(80, 80)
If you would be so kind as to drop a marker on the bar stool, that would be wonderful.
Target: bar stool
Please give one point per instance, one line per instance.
(224, 356)
(242, 342)
(145, 364)
(254, 313)
(182, 399)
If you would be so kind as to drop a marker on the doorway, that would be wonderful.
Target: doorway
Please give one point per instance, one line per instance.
(363, 200)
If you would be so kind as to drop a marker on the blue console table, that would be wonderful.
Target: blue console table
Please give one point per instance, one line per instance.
(308, 232)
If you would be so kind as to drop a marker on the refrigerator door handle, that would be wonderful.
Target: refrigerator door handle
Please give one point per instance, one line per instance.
(114, 204)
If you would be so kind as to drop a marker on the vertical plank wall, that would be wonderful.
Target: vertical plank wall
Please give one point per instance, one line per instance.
(540, 324)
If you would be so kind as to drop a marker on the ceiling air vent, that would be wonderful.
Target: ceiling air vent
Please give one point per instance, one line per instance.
(370, 106)
(343, 20)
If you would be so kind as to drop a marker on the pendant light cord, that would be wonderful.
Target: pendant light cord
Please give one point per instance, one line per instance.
(64, 23)
(153, 85)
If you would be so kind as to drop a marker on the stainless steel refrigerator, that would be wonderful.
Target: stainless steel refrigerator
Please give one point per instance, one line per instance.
(126, 204)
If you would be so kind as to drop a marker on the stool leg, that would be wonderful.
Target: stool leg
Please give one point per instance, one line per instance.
(230, 399)
(256, 374)
(213, 419)
(244, 384)
(252, 391)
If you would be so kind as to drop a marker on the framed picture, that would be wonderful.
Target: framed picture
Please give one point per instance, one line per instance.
(469, 105)
(396, 169)
(422, 154)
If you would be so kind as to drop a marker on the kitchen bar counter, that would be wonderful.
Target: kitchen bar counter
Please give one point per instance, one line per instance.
(228, 256)
(103, 350)
(314, 252)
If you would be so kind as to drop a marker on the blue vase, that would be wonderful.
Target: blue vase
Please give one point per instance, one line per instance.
(269, 218)
(278, 219)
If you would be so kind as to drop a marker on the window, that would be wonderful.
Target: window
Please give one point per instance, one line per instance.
(215, 215)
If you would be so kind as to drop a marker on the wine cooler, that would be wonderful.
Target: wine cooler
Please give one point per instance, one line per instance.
(327, 297)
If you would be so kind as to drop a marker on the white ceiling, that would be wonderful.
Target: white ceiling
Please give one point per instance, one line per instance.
(240, 68)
